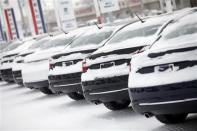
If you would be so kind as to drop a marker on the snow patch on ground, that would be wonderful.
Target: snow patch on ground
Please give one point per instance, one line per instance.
(29, 110)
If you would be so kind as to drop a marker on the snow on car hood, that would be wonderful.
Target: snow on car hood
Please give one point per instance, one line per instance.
(123, 50)
(173, 51)
(135, 42)
(43, 54)
(76, 53)
(180, 42)
(20, 49)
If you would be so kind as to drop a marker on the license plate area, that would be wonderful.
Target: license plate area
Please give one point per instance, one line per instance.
(69, 63)
(164, 68)
(107, 65)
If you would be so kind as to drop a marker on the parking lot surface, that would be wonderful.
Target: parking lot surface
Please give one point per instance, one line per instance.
(22, 109)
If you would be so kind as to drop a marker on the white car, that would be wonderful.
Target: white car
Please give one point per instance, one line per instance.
(9, 55)
(163, 80)
(19, 59)
(2, 48)
(36, 67)
(66, 67)
(106, 78)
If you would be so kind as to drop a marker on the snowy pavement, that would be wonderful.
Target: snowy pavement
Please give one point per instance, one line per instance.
(22, 109)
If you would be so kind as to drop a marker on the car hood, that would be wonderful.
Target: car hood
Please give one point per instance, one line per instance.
(126, 47)
(29, 51)
(186, 51)
(43, 54)
(186, 43)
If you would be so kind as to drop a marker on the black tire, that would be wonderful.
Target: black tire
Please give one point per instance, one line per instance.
(9, 82)
(172, 118)
(76, 96)
(115, 105)
(46, 91)
(20, 84)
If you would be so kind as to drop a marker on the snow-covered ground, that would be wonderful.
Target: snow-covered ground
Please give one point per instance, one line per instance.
(22, 109)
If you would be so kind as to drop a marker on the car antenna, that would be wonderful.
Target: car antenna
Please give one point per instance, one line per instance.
(97, 26)
(64, 31)
(142, 21)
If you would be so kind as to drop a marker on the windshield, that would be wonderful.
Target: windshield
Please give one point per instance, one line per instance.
(4, 45)
(13, 46)
(179, 32)
(91, 39)
(59, 41)
(39, 43)
(129, 33)
(182, 30)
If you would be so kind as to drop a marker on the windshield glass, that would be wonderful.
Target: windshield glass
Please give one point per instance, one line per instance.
(91, 39)
(59, 41)
(130, 32)
(179, 32)
(39, 43)
(4, 45)
(13, 46)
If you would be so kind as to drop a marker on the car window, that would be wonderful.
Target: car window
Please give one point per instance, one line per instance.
(63, 41)
(186, 29)
(178, 32)
(2, 46)
(91, 39)
(13, 46)
(126, 34)
(39, 43)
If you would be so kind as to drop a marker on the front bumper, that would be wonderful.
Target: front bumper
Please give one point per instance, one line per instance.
(66, 83)
(37, 85)
(165, 99)
(18, 77)
(35, 71)
(6, 75)
(106, 89)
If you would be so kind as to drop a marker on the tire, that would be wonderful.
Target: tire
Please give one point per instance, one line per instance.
(20, 84)
(171, 118)
(76, 96)
(46, 91)
(9, 82)
(116, 105)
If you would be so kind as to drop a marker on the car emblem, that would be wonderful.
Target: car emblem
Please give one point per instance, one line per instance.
(164, 68)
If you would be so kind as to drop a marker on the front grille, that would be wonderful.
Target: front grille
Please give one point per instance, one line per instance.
(21, 61)
(181, 65)
(169, 92)
(17, 74)
(112, 80)
(116, 63)
(6, 72)
(7, 61)
(66, 77)
(166, 88)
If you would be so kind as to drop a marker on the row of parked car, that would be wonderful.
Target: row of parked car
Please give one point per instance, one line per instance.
(150, 63)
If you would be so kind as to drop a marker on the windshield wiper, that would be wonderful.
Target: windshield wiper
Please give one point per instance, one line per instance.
(142, 21)
(158, 38)
(97, 26)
